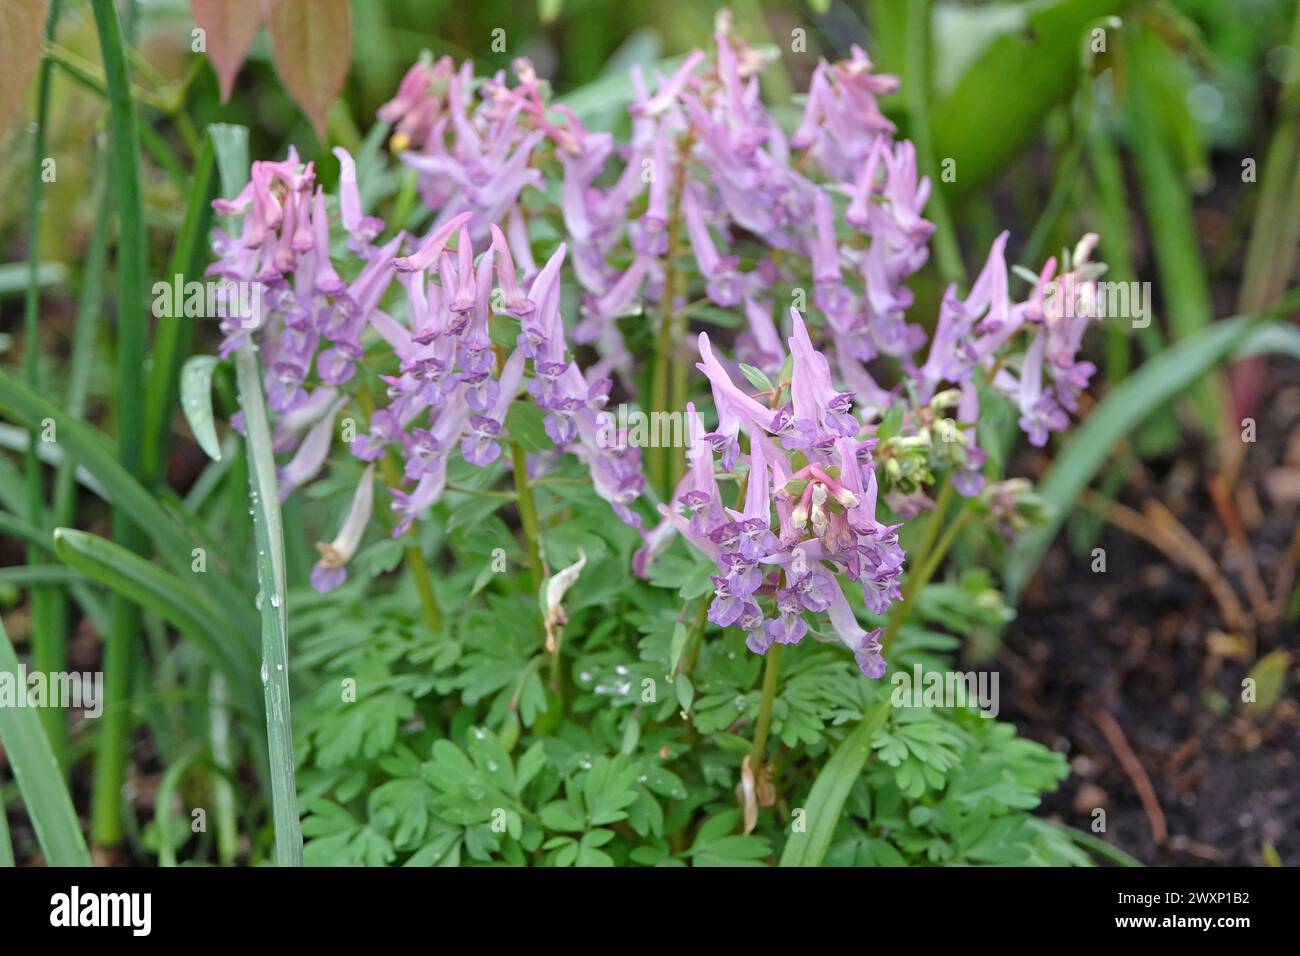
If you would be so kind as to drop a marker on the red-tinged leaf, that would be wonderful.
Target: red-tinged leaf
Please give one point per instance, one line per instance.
(312, 44)
(229, 28)
(22, 28)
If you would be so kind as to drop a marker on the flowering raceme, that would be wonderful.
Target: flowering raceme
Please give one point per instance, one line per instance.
(709, 197)
(449, 392)
(804, 462)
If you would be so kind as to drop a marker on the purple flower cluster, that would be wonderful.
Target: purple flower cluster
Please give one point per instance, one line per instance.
(807, 463)
(708, 197)
(448, 392)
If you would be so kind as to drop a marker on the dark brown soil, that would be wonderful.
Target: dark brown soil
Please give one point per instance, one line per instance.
(1146, 644)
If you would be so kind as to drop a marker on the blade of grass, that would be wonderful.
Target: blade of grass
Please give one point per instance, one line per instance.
(916, 94)
(132, 268)
(223, 794)
(39, 778)
(274, 606)
(37, 575)
(89, 308)
(1271, 250)
(231, 145)
(830, 790)
(173, 334)
(1168, 206)
(162, 804)
(6, 844)
(1116, 227)
(184, 607)
(89, 449)
(49, 611)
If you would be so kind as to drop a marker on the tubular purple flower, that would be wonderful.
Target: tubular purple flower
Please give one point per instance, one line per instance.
(668, 90)
(362, 228)
(327, 279)
(431, 248)
(331, 570)
(864, 644)
(311, 454)
(516, 303)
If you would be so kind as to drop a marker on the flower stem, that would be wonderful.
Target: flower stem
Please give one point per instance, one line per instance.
(391, 472)
(413, 556)
(771, 671)
(527, 506)
(424, 586)
(668, 386)
(929, 556)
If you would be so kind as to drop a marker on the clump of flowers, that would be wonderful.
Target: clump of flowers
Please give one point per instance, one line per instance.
(708, 196)
(805, 463)
(452, 387)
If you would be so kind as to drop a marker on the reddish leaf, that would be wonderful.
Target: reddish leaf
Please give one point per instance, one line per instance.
(229, 28)
(22, 30)
(312, 44)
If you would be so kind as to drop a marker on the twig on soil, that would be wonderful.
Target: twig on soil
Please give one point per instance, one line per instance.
(1250, 576)
(1159, 528)
(1286, 574)
(1114, 735)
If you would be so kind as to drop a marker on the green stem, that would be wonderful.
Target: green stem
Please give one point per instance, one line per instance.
(162, 805)
(412, 554)
(527, 506)
(668, 386)
(771, 672)
(391, 472)
(48, 608)
(424, 586)
(124, 617)
(927, 560)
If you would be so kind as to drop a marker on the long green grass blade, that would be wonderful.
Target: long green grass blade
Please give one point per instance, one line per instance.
(180, 604)
(174, 333)
(87, 447)
(38, 575)
(6, 844)
(132, 273)
(830, 790)
(274, 606)
(916, 93)
(39, 778)
(232, 159)
(90, 304)
(1168, 205)
(49, 611)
